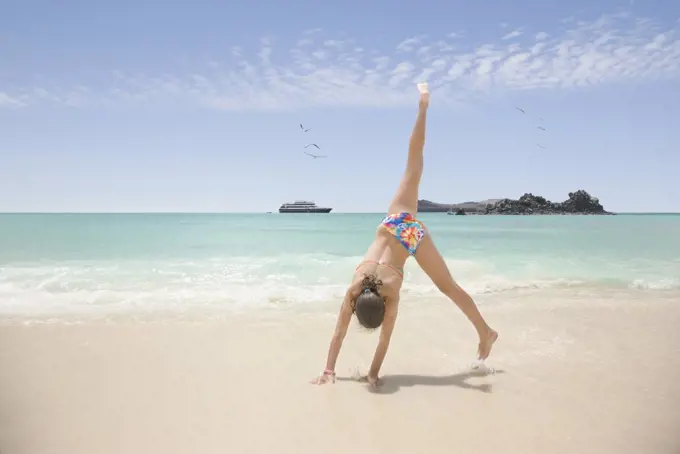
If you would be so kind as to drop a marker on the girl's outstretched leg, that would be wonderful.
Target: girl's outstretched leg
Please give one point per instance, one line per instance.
(433, 264)
(406, 198)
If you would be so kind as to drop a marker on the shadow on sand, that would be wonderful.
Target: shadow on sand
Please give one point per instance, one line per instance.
(393, 383)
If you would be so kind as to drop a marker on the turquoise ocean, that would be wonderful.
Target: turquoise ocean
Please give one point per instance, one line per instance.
(108, 263)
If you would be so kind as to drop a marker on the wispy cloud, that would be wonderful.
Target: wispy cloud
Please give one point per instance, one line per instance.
(512, 34)
(322, 70)
(8, 101)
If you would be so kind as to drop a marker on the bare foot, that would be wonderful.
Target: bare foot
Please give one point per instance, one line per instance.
(485, 345)
(424, 95)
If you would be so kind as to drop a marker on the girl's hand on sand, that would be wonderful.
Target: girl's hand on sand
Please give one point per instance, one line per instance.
(375, 382)
(323, 379)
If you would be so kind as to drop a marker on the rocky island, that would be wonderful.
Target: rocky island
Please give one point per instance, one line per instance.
(578, 203)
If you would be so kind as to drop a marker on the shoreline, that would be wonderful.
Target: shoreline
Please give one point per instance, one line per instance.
(575, 295)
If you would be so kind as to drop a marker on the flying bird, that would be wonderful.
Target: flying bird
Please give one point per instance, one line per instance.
(540, 146)
(521, 110)
(313, 145)
(315, 156)
(541, 128)
(303, 128)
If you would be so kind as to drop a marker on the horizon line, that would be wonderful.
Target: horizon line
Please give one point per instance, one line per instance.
(268, 212)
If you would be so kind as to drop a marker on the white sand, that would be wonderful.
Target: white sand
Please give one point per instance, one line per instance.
(575, 375)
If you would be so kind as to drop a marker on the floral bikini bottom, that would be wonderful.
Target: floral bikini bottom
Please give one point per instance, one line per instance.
(405, 228)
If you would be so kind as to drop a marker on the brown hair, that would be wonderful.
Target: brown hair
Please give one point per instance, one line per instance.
(369, 306)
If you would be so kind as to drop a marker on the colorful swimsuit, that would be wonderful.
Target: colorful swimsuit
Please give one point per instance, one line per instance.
(405, 228)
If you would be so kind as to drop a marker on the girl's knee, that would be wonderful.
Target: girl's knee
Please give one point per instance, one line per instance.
(447, 288)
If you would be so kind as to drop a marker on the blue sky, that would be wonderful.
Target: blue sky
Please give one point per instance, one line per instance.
(195, 106)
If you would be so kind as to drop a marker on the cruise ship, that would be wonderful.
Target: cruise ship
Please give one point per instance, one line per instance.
(303, 206)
